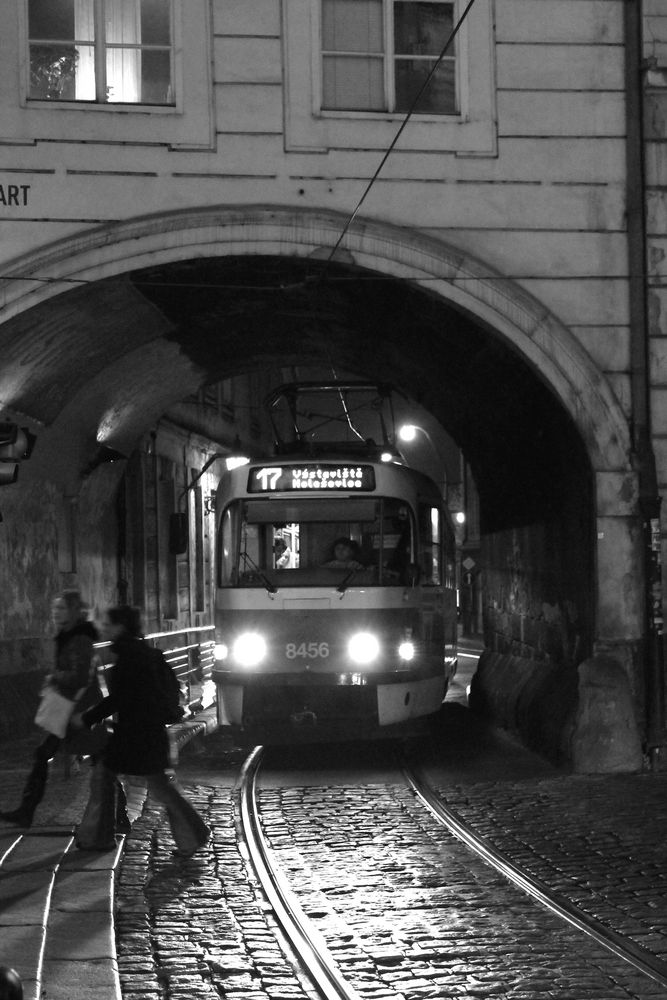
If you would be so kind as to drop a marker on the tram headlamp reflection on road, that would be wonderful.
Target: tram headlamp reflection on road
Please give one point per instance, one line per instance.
(363, 648)
(249, 649)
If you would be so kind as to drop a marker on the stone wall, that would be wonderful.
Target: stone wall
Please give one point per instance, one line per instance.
(582, 718)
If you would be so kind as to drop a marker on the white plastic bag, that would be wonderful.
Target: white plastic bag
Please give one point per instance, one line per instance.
(54, 712)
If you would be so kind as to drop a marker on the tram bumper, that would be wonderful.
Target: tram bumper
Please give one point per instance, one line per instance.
(314, 707)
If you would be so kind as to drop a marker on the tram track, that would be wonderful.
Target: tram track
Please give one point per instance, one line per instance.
(641, 959)
(309, 944)
(302, 936)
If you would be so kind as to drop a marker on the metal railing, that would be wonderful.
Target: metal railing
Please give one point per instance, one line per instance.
(191, 661)
(191, 657)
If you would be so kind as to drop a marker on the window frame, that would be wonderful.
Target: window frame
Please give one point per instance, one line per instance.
(101, 49)
(390, 59)
(309, 128)
(186, 125)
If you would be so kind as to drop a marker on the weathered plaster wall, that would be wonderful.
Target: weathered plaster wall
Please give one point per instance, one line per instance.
(535, 607)
(28, 570)
(655, 134)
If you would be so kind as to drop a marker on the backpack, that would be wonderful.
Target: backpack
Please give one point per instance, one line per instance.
(167, 706)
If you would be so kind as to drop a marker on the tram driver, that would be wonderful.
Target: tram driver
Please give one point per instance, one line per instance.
(346, 555)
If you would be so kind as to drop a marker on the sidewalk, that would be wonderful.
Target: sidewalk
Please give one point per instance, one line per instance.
(56, 902)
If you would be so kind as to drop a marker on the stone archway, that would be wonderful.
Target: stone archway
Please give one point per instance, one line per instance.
(498, 304)
(444, 270)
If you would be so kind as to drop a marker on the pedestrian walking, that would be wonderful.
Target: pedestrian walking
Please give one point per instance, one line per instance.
(70, 686)
(139, 744)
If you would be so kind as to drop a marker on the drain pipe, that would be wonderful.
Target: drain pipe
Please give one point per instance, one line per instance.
(649, 497)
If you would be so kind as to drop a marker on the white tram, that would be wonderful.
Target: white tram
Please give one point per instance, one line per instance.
(321, 642)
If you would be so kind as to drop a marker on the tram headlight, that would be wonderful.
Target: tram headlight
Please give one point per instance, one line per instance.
(363, 648)
(249, 649)
(406, 650)
(220, 651)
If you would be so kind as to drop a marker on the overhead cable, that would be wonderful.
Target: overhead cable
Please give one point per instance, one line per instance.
(454, 32)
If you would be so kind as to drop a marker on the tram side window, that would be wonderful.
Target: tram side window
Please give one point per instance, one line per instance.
(227, 548)
(430, 536)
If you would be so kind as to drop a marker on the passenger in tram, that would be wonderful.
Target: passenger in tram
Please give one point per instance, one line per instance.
(346, 555)
(74, 678)
(139, 744)
(282, 554)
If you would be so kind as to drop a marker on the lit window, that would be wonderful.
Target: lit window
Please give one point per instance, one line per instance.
(376, 55)
(103, 51)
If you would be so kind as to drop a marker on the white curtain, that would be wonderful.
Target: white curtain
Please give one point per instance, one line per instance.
(352, 63)
(123, 28)
(84, 31)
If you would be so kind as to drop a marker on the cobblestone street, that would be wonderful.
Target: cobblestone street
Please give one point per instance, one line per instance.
(407, 911)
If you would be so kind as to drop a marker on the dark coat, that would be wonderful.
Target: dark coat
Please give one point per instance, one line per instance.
(75, 670)
(139, 743)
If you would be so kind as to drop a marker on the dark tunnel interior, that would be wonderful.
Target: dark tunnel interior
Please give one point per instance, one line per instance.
(229, 315)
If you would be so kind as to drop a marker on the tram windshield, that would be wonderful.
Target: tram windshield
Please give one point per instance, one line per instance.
(299, 542)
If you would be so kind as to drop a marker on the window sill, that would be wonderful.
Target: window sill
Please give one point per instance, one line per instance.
(393, 117)
(88, 106)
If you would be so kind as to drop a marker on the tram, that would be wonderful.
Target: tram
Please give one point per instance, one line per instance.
(336, 601)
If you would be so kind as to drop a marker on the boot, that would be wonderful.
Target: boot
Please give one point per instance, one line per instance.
(33, 793)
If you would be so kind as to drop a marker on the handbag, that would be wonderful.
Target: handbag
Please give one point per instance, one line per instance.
(54, 712)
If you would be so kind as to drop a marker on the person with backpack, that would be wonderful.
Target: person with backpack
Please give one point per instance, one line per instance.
(139, 701)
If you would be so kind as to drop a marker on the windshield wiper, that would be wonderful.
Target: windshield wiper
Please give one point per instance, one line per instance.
(345, 582)
(271, 587)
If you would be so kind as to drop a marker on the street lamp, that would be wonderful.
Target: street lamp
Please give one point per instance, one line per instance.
(408, 434)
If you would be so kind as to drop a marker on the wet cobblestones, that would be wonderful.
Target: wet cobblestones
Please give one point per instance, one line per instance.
(422, 916)
(583, 836)
(407, 916)
(197, 928)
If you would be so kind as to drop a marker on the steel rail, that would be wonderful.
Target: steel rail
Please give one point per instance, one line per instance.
(306, 941)
(618, 944)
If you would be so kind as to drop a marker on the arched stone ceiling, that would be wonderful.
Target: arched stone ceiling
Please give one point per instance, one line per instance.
(151, 337)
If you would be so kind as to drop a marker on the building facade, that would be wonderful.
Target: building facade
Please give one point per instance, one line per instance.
(524, 186)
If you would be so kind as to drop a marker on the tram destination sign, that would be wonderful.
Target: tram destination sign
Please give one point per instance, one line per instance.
(311, 478)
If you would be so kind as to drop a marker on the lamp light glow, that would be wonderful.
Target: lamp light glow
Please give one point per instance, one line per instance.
(407, 432)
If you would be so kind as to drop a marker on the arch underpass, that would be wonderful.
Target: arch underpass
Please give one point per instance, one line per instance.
(119, 325)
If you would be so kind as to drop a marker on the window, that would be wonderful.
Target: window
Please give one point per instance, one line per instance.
(379, 533)
(376, 55)
(430, 533)
(103, 51)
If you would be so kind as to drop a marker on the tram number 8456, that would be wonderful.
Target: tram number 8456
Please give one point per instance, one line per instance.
(309, 650)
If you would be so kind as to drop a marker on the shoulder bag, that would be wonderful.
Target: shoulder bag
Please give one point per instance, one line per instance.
(54, 712)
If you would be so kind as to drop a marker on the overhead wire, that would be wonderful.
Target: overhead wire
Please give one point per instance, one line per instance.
(387, 153)
(324, 274)
(408, 115)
